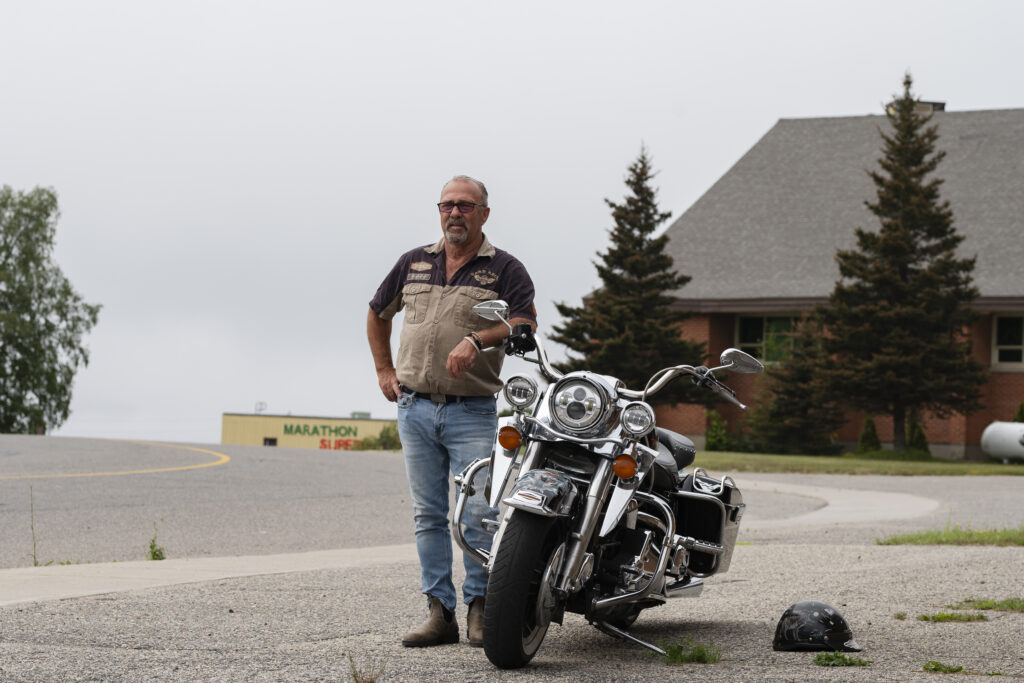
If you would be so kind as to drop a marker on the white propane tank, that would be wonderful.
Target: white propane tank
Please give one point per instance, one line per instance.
(1004, 441)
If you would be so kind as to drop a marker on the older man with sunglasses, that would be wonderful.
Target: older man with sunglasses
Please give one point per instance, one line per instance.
(445, 384)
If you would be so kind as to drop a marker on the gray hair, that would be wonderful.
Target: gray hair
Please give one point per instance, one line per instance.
(466, 178)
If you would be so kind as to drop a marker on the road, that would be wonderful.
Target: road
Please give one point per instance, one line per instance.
(96, 501)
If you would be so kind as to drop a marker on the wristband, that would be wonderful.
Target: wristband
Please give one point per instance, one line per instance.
(473, 342)
(476, 338)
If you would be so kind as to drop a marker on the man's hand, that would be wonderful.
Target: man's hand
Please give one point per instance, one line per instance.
(389, 386)
(378, 331)
(461, 358)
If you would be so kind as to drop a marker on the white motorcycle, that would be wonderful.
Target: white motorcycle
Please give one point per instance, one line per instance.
(600, 516)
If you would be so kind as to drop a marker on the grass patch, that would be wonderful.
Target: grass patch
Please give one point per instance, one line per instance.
(940, 668)
(848, 464)
(953, 616)
(902, 616)
(839, 659)
(959, 536)
(686, 652)
(902, 456)
(1008, 605)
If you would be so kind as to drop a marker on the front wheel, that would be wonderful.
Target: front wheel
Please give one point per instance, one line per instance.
(520, 590)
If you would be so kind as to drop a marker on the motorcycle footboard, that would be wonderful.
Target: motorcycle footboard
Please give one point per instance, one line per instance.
(708, 510)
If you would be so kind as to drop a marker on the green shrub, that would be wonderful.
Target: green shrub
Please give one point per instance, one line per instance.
(1019, 415)
(868, 440)
(916, 440)
(387, 440)
(716, 437)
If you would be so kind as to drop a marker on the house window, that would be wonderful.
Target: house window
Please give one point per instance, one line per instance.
(1009, 340)
(765, 337)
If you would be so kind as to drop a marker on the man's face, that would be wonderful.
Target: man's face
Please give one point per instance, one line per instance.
(457, 227)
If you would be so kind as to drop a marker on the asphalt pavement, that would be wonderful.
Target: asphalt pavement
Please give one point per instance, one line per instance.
(286, 564)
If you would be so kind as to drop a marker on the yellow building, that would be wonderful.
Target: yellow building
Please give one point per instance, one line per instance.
(291, 431)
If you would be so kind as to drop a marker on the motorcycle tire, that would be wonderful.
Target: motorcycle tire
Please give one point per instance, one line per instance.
(512, 634)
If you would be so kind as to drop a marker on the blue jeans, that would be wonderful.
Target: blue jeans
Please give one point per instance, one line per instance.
(441, 439)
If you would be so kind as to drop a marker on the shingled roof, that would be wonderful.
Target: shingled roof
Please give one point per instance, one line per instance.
(764, 237)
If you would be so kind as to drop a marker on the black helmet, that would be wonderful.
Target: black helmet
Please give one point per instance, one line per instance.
(813, 625)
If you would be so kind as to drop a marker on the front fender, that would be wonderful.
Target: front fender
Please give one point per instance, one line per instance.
(543, 492)
(623, 491)
(501, 464)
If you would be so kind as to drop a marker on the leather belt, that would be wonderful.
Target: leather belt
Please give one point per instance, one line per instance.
(436, 398)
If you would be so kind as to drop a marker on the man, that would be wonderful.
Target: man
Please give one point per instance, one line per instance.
(444, 384)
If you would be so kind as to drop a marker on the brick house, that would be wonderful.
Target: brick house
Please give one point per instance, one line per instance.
(760, 246)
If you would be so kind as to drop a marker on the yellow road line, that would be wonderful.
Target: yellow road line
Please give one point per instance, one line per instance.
(221, 459)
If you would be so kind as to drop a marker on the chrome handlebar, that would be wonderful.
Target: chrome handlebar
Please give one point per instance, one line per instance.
(701, 376)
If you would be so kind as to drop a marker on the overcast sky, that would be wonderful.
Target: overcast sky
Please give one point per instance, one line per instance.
(236, 178)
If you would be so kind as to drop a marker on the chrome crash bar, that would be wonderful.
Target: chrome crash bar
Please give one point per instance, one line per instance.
(464, 482)
(666, 546)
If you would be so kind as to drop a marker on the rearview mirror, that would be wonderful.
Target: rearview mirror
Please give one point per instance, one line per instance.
(495, 309)
(738, 361)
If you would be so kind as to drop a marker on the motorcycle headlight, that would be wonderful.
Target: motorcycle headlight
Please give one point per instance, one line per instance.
(579, 405)
(520, 391)
(637, 419)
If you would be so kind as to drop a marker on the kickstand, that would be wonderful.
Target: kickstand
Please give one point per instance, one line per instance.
(605, 627)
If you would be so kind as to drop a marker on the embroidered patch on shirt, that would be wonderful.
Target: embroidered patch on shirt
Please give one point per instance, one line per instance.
(485, 277)
(418, 276)
(421, 266)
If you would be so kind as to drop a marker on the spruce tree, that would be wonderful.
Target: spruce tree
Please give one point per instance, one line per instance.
(627, 328)
(898, 315)
(799, 412)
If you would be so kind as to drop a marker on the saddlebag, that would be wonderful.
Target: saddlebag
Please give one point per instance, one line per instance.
(708, 510)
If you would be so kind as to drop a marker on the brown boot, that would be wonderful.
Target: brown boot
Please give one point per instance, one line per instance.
(440, 628)
(475, 623)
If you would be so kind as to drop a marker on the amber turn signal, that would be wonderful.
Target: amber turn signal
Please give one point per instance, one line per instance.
(624, 467)
(509, 438)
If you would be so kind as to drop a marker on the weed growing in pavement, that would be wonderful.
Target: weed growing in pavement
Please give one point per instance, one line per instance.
(156, 552)
(953, 616)
(839, 659)
(959, 536)
(940, 668)
(687, 652)
(1008, 605)
(369, 675)
(900, 615)
(32, 527)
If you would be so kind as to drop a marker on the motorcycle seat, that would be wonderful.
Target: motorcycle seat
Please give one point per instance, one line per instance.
(675, 452)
